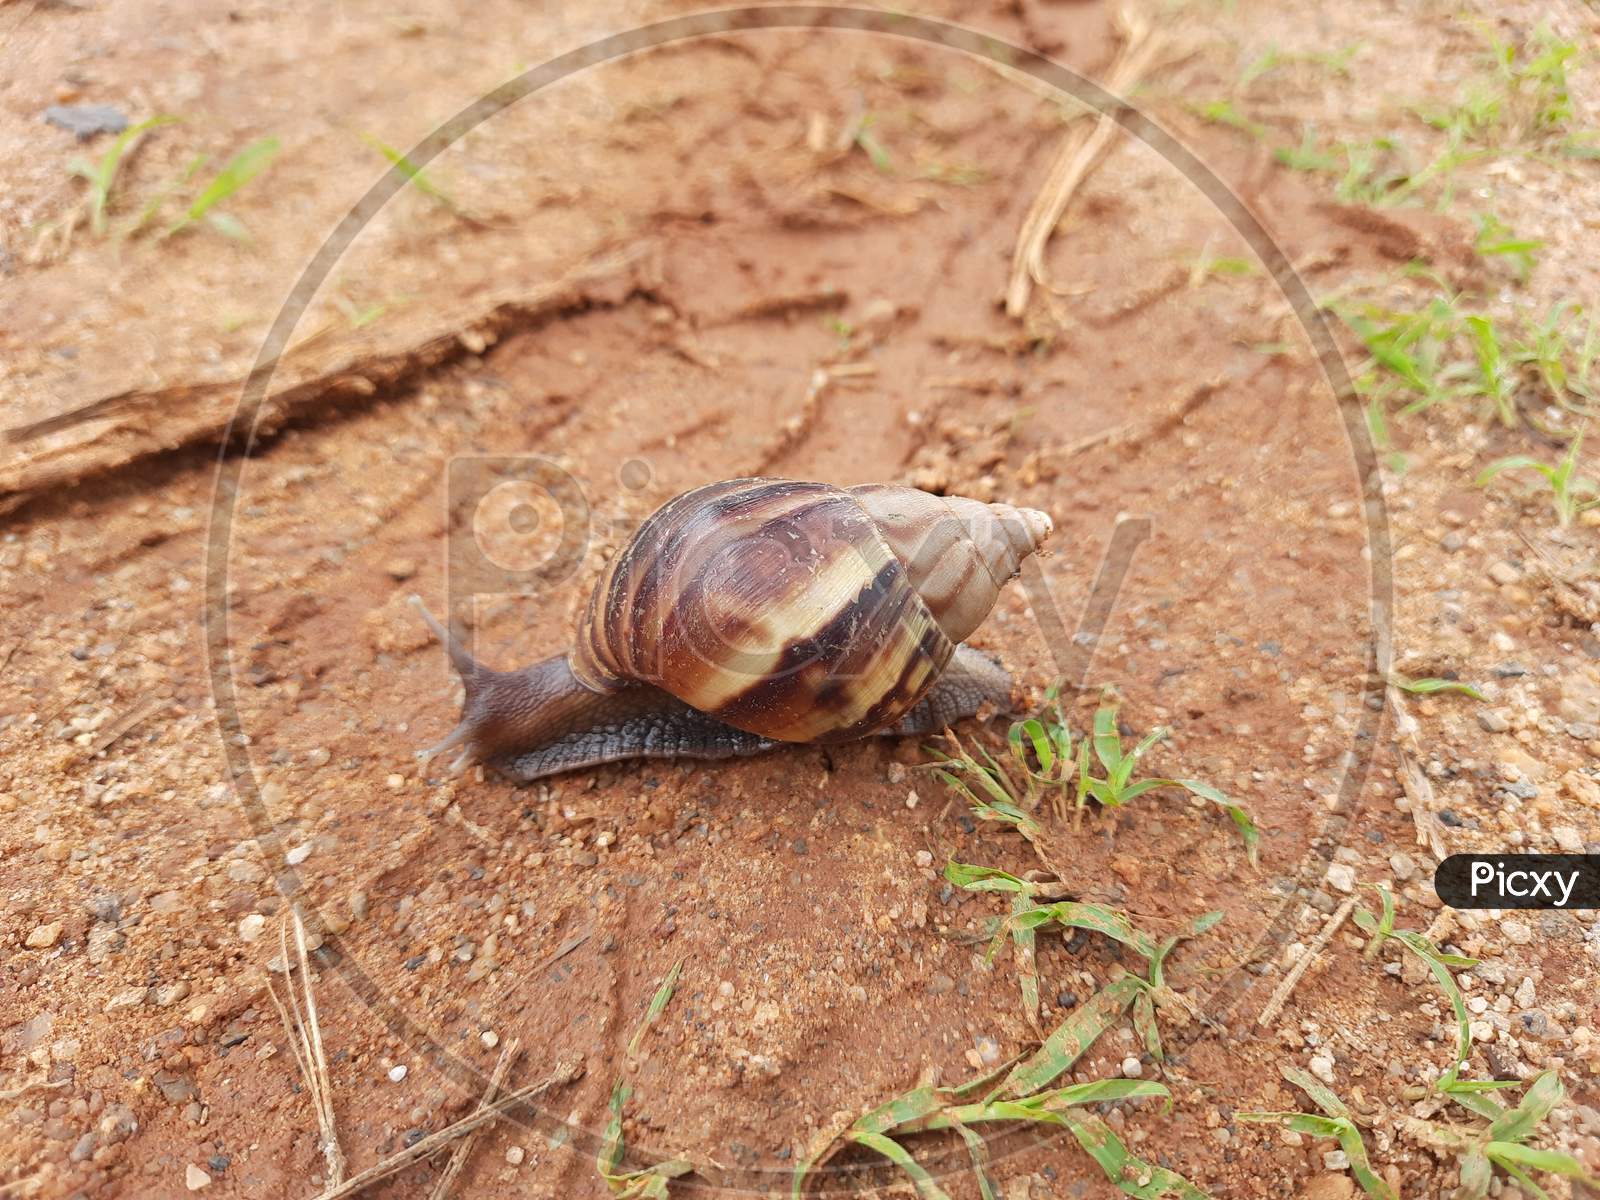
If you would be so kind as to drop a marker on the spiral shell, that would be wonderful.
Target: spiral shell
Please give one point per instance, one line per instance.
(801, 612)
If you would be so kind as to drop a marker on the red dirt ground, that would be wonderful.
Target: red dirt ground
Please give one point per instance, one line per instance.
(827, 966)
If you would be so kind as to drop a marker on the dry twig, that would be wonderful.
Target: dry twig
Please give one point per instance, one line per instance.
(1280, 996)
(34, 1085)
(1079, 154)
(1413, 780)
(463, 1150)
(434, 1142)
(1142, 429)
(305, 1039)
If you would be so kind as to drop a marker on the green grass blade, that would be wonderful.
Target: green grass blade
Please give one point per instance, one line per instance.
(1107, 741)
(238, 171)
(658, 1004)
(1343, 1130)
(1133, 1175)
(1321, 1096)
(1236, 812)
(1516, 462)
(906, 1108)
(986, 879)
(611, 1141)
(1517, 1124)
(1070, 1040)
(1144, 1024)
(901, 1157)
(1553, 1161)
(1025, 951)
(102, 176)
(1041, 1105)
(1427, 687)
(1078, 914)
(979, 1150)
(418, 176)
(1423, 949)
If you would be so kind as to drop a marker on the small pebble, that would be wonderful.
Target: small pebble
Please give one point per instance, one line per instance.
(195, 1178)
(1504, 573)
(1132, 1068)
(1492, 720)
(397, 1073)
(1342, 876)
(489, 1038)
(298, 855)
(1568, 839)
(924, 859)
(1322, 1067)
(514, 1155)
(250, 927)
(45, 936)
(84, 121)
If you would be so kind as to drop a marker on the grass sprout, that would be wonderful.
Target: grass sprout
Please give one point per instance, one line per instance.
(1568, 489)
(1334, 1122)
(1503, 1142)
(238, 171)
(647, 1183)
(1028, 917)
(417, 175)
(1118, 786)
(1380, 929)
(1022, 1093)
(101, 175)
(1226, 112)
(1496, 239)
(1043, 761)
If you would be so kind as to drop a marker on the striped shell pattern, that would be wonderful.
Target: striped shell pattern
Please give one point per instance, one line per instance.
(800, 612)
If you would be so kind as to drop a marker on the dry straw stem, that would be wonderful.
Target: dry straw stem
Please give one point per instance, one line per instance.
(1415, 784)
(463, 1150)
(305, 1039)
(1079, 154)
(18, 1092)
(1279, 997)
(1136, 432)
(434, 1142)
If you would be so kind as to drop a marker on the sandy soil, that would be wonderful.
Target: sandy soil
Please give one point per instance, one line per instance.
(676, 268)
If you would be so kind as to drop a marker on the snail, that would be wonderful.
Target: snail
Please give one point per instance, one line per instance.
(753, 612)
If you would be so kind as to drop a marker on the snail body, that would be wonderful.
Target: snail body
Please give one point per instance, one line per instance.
(754, 612)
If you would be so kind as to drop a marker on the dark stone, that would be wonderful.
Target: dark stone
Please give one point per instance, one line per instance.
(83, 121)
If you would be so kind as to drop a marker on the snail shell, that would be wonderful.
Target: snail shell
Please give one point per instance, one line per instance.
(755, 611)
